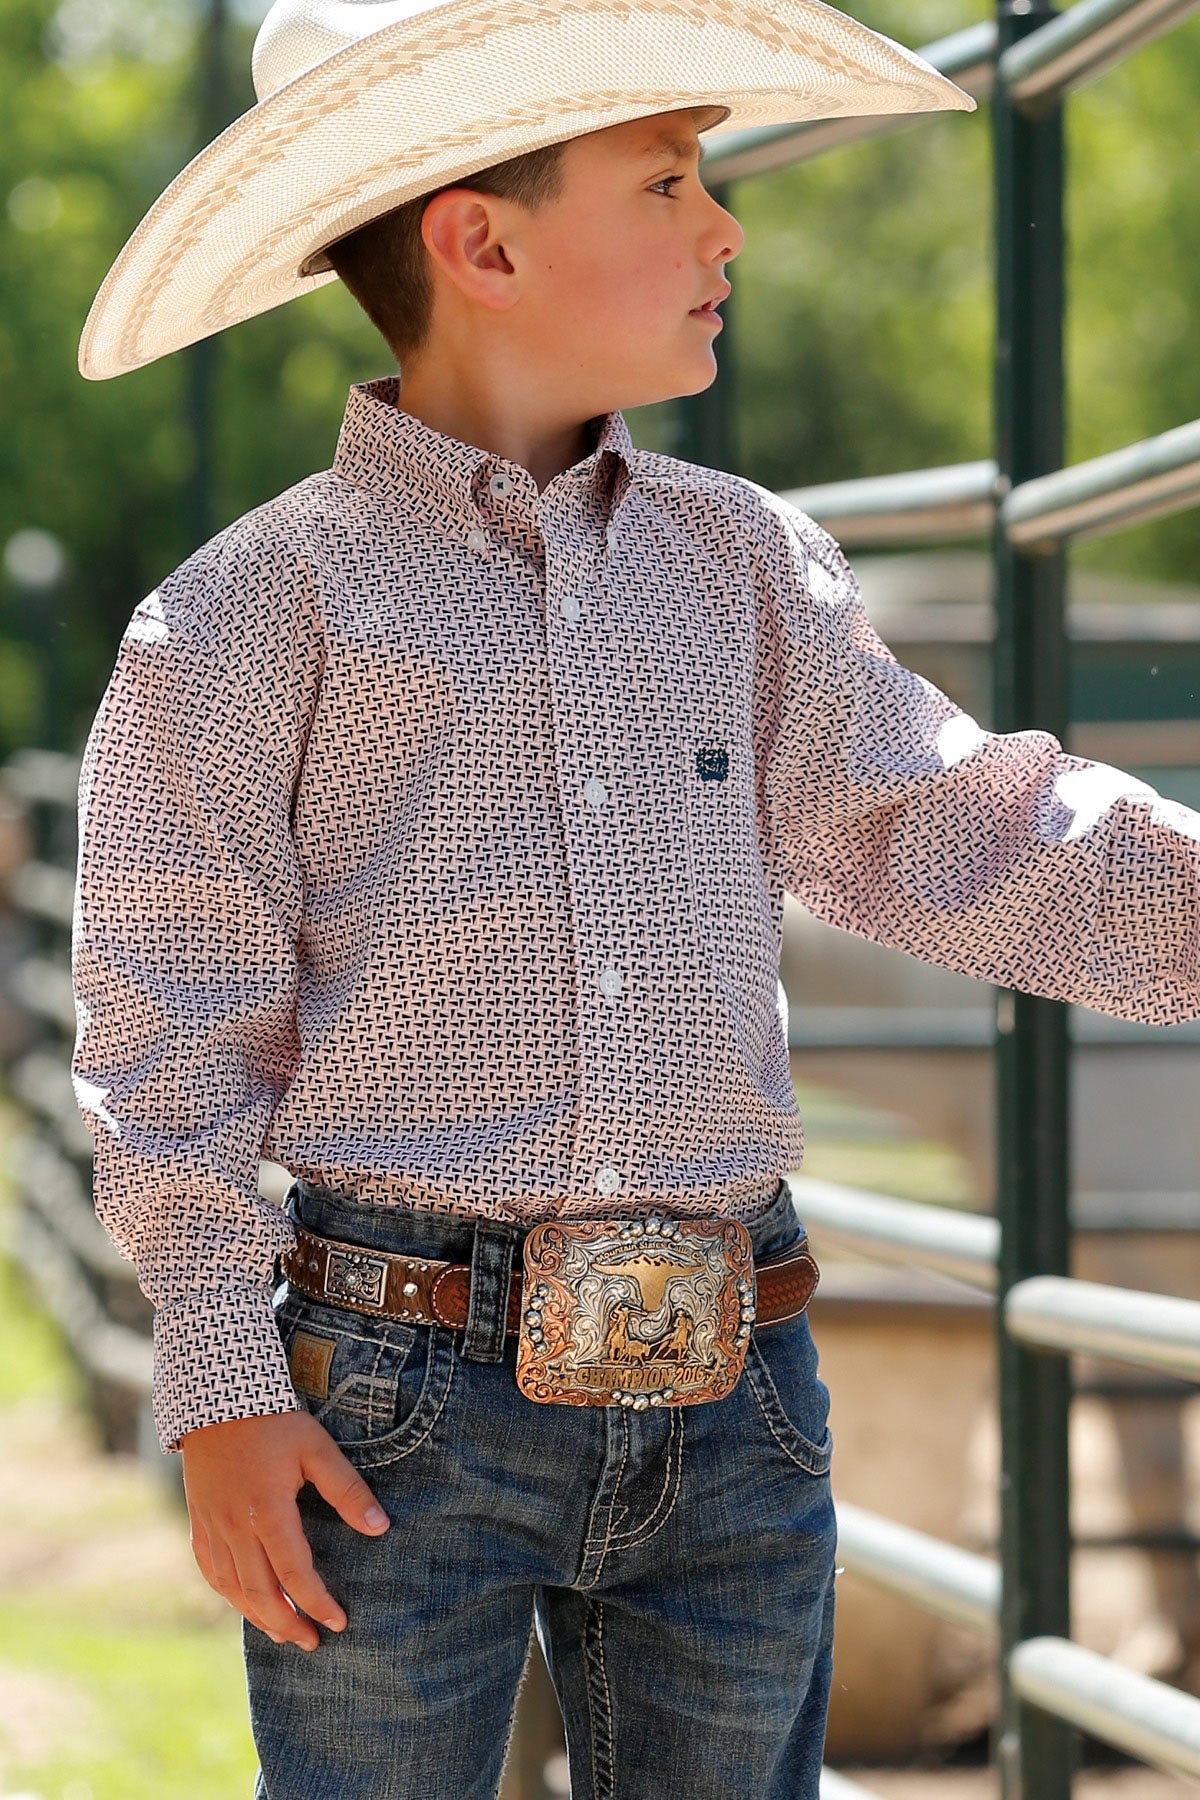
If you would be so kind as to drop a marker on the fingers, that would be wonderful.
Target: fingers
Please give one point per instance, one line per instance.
(262, 1600)
(338, 1481)
(244, 1573)
(250, 1589)
(285, 1549)
(268, 1578)
(241, 1478)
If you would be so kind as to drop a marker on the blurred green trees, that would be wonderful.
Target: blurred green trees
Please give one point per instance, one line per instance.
(862, 315)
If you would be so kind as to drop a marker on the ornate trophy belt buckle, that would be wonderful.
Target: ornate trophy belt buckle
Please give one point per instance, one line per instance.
(631, 1312)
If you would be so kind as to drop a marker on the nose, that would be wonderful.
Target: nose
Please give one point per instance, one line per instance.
(725, 229)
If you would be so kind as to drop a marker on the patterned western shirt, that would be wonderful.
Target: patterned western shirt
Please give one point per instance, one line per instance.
(434, 839)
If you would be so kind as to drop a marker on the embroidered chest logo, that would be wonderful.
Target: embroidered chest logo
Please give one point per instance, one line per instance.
(712, 762)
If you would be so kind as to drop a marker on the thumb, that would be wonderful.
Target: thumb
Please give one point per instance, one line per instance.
(339, 1482)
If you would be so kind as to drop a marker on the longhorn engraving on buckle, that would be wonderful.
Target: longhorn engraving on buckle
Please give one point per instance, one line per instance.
(636, 1313)
(352, 1275)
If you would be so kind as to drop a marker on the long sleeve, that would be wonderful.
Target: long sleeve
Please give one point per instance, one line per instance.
(188, 909)
(890, 813)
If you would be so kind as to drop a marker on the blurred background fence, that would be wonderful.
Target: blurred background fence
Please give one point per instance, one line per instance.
(863, 341)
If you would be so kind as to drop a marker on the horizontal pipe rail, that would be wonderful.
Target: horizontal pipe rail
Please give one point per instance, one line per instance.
(43, 987)
(837, 1787)
(1154, 1331)
(1081, 44)
(112, 1352)
(1144, 1717)
(53, 1189)
(954, 1584)
(43, 891)
(43, 778)
(960, 1028)
(41, 1081)
(1141, 481)
(967, 57)
(963, 1245)
(915, 506)
(1147, 480)
(1071, 49)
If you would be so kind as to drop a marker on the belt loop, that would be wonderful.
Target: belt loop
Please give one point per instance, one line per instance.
(487, 1311)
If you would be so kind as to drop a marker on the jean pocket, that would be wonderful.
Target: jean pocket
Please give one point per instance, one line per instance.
(376, 1385)
(781, 1368)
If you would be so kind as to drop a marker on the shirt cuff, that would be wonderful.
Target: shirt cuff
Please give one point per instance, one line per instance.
(218, 1356)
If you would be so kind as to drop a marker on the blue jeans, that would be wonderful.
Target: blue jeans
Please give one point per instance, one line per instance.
(677, 1563)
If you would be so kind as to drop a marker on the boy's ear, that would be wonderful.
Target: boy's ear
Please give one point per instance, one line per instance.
(463, 233)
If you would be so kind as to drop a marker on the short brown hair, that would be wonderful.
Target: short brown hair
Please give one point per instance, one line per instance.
(385, 263)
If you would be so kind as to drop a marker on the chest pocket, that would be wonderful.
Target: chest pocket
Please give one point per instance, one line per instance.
(731, 912)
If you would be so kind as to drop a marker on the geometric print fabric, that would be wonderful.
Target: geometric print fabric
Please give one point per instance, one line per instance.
(434, 838)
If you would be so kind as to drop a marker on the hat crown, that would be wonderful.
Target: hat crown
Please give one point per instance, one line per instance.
(296, 35)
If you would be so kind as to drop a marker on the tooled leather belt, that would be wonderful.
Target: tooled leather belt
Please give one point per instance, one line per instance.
(421, 1291)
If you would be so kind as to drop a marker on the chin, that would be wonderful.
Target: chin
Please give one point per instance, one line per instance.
(697, 383)
(693, 379)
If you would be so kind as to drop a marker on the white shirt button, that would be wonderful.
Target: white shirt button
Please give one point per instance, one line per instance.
(477, 541)
(611, 982)
(501, 484)
(570, 607)
(595, 792)
(607, 1179)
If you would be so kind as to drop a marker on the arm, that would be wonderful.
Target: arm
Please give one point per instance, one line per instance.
(188, 910)
(187, 915)
(890, 813)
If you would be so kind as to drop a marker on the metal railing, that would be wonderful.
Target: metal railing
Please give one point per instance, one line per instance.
(1027, 61)
(1144, 1717)
(86, 1286)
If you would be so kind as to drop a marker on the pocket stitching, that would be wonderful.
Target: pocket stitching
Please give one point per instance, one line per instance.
(371, 1454)
(398, 1337)
(815, 1459)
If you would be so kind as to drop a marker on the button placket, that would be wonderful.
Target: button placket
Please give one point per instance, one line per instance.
(582, 722)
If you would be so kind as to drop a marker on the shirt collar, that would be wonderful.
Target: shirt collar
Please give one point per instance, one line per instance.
(385, 449)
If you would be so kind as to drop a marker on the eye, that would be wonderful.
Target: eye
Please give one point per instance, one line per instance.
(667, 181)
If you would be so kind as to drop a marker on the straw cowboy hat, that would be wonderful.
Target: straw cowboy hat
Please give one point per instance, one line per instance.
(364, 104)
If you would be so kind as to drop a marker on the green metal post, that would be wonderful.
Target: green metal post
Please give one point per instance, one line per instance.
(702, 425)
(1035, 1753)
(214, 108)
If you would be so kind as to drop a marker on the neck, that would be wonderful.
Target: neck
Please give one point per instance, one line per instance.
(517, 419)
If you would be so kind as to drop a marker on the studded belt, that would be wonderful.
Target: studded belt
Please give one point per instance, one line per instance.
(422, 1291)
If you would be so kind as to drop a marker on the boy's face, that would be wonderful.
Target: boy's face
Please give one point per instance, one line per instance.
(616, 268)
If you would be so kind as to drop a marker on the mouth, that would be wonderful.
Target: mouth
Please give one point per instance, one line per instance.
(709, 309)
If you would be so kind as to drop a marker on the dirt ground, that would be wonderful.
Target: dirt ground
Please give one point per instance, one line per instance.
(981, 1784)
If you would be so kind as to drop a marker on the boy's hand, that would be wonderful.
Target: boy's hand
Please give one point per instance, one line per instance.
(241, 1478)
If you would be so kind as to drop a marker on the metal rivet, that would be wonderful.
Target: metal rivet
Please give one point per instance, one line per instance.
(410, 1287)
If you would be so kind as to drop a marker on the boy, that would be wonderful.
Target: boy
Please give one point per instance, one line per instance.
(434, 834)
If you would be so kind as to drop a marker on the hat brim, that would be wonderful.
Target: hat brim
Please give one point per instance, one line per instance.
(384, 120)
